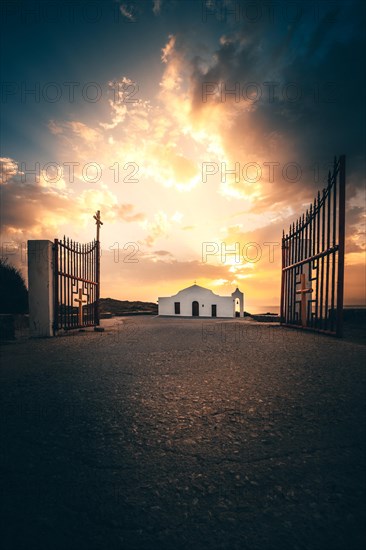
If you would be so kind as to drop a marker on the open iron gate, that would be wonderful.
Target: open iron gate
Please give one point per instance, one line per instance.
(76, 279)
(313, 261)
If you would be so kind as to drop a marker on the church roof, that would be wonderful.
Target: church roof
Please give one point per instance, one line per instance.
(195, 286)
(201, 288)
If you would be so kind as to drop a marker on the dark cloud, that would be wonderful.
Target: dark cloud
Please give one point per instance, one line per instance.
(26, 205)
(318, 109)
(34, 209)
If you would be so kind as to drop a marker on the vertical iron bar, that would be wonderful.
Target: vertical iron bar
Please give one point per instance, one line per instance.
(55, 289)
(302, 237)
(62, 253)
(297, 258)
(290, 244)
(74, 285)
(95, 279)
(90, 278)
(311, 261)
(328, 258)
(64, 299)
(62, 309)
(78, 279)
(317, 261)
(306, 265)
(69, 284)
(75, 274)
(302, 255)
(60, 283)
(307, 234)
(286, 282)
(70, 298)
(293, 278)
(91, 286)
(90, 319)
(282, 278)
(334, 234)
(85, 285)
(74, 280)
(322, 261)
(314, 261)
(81, 282)
(341, 237)
(63, 278)
(98, 282)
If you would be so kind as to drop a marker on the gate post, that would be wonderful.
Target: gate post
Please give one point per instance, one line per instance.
(97, 296)
(41, 288)
(98, 223)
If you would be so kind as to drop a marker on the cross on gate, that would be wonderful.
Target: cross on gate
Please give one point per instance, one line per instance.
(303, 291)
(80, 307)
(98, 222)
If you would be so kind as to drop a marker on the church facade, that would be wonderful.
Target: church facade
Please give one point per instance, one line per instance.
(197, 301)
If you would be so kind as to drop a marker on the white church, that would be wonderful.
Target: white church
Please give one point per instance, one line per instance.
(197, 301)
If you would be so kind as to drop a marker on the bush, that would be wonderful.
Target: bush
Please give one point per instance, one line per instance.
(13, 292)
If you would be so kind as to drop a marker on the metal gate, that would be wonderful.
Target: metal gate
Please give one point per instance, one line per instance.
(76, 282)
(313, 261)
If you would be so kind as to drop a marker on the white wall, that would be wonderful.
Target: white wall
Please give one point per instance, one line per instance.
(40, 283)
(204, 297)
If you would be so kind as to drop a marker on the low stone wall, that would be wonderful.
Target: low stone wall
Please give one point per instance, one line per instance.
(354, 315)
(7, 327)
(266, 318)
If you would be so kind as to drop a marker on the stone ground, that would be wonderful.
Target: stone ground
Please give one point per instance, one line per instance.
(183, 434)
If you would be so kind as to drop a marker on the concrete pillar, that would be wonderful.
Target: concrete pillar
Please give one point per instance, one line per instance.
(41, 288)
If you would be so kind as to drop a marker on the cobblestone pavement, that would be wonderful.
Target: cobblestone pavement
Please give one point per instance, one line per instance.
(183, 434)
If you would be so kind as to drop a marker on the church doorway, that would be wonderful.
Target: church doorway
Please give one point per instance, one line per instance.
(195, 309)
(213, 310)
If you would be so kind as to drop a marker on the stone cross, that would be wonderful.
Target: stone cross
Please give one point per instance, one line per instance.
(98, 222)
(303, 291)
(80, 308)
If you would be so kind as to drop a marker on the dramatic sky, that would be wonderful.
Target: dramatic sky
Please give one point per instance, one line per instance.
(200, 129)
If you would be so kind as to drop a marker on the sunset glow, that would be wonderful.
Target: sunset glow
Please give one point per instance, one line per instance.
(194, 174)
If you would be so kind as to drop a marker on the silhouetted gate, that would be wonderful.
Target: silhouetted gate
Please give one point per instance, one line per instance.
(76, 277)
(313, 261)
